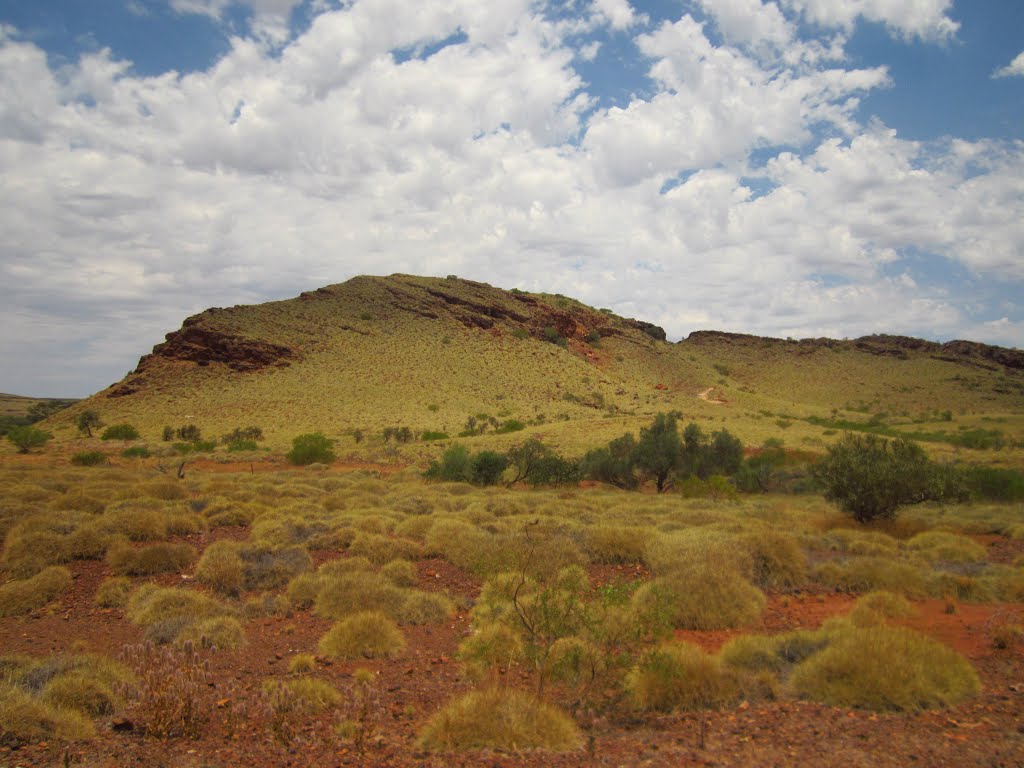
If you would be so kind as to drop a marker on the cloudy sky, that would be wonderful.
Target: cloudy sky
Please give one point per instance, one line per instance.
(780, 167)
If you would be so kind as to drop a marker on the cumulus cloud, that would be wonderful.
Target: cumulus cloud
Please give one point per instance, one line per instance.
(924, 19)
(1014, 69)
(459, 138)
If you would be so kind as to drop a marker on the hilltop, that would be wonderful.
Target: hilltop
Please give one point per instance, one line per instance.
(427, 353)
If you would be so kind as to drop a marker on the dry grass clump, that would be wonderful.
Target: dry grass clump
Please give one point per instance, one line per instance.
(138, 520)
(366, 634)
(347, 593)
(166, 612)
(113, 592)
(20, 597)
(314, 695)
(221, 568)
(230, 567)
(703, 596)
(859, 542)
(615, 544)
(297, 525)
(960, 587)
(776, 654)
(499, 718)
(941, 546)
(302, 663)
(26, 719)
(425, 608)
(885, 668)
(54, 698)
(51, 538)
(865, 574)
(218, 633)
(773, 560)
(679, 676)
(401, 573)
(380, 549)
(875, 607)
(163, 557)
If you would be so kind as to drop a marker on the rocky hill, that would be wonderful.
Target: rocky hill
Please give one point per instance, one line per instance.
(429, 353)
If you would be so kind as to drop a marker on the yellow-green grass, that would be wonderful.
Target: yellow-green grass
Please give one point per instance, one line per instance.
(365, 634)
(680, 676)
(885, 668)
(163, 557)
(168, 612)
(499, 718)
(26, 595)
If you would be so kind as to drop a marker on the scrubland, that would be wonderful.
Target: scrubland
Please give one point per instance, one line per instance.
(355, 615)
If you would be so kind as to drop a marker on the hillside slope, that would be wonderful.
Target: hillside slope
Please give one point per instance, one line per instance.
(428, 353)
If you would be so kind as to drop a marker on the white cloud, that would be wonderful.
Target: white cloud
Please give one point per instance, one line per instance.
(618, 13)
(129, 202)
(1014, 69)
(925, 19)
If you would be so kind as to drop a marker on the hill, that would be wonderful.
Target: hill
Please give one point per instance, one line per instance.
(429, 353)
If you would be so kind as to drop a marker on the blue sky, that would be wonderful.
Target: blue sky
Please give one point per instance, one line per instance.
(780, 167)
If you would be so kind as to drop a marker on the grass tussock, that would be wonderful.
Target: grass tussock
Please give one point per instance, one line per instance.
(941, 546)
(702, 596)
(163, 557)
(679, 676)
(367, 634)
(166, 612)
(218, 633)
(866, 574)
(113, 592)
(875, 607)
(26, 719)
(500, 718)
(26, 595)
(885, 668)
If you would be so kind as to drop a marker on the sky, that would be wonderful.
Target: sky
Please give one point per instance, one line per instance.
(779, 167)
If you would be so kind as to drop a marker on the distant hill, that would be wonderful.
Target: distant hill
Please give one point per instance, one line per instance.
(428, 353)
(16, 410)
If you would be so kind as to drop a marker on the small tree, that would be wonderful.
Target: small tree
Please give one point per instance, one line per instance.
(311, 449)
(870, 477)
(26, 438)
(659, 450)
(87, 421)
(613, 464)
(487, 467)
(455, 466)
(190, 433)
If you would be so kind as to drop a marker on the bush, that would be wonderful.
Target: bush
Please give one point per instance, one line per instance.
(870, 477)
(679, 676)
(487, 467)
(136, 452)
(89, 458)
(312, 448)
(367, 634)
(120, 432)
(242, 445)
(190, 433)
(995, 483)
(428, 435)
(25, 438)
(499, 718)
(455, 466)
(886, 669)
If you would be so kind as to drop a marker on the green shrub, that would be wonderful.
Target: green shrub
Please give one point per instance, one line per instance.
(885, 668)
(27, 437)
(499, 718)
(120, 432)
(20, 597)
(679, 676)
(487, 467)
(312, 448)
(242, 445)
(455, 466)
(870, 477)
(994, 483)
(89, 458)
(429, 435)
(136, 452)
(366, 634)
